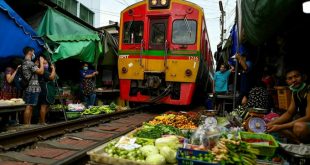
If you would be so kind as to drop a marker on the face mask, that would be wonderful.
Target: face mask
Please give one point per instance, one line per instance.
(85, 68)
(33, 56)
(298, 88)
(45, 66)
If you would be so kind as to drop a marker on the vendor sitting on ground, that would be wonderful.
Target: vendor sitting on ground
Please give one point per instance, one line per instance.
(295, 122)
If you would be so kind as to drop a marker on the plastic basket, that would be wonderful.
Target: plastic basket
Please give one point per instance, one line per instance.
(263, 149)
(73, 115)
(189, 152)
(284, 97)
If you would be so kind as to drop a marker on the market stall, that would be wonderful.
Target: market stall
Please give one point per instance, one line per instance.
(191, 138)
(77, 110)
(12, 106)
(15, 33)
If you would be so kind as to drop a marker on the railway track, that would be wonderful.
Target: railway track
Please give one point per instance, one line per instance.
(68, 142)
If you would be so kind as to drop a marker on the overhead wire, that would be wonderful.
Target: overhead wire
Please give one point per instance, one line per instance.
(126, 2)
(120, 2)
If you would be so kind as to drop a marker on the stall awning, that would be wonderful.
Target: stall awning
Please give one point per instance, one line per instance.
(68, 37)
(110, 45)
(261, 19)
(15, 33)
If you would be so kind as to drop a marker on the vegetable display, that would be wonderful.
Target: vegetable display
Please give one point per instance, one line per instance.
(161, 141)
(178, 121)
(58, 107)
(229, 151)
(156, 131)
(97, 110)
(205, 157)
(192, 116)
(155, 159)
(149, 150)
(169, 154)
(164, 150)
(117, 152)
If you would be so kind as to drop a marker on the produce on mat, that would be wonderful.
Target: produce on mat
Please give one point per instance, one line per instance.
(178, 121)
(58, 107)
(97, 110)
(163, 151)
(169, 154)
(156, 159)
(117, 152)
(202, 156)
(156, 131)
(170, 141)
(229, 151)
(193, 116)
(149, 150)
(161, 141)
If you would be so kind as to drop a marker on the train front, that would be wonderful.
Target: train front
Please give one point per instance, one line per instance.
(159, 51)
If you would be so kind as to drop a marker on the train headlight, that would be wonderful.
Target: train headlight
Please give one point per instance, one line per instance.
(159, 4)
(163, 2)
(154, 2)
(124, 70)
(188, 72)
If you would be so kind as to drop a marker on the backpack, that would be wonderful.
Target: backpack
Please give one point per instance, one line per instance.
(20, 81)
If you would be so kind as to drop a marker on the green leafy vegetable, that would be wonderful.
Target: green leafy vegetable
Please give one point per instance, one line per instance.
(154, 132)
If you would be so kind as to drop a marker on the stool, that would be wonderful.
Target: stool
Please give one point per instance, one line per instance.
(226, 103)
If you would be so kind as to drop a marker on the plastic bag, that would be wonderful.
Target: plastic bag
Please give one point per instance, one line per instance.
(196, 138)
(76, 107)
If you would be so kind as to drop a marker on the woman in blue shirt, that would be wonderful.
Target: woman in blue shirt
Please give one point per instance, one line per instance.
(88, 85)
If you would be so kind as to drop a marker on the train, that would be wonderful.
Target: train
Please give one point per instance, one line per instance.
(164, 54)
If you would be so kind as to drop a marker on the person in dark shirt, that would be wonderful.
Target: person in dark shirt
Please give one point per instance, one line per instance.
(259, 96)
(45, 80)
(8, 89)
(88, 85)
(245, 78)
(295, 122)
(31, 72)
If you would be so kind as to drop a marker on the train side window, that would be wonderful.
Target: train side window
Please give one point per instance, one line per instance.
(133, 32)
(184, 32)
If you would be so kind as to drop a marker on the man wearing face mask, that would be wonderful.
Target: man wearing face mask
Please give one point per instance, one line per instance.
(31, 72)
(88, 85)
(48, 76)
(295, 122)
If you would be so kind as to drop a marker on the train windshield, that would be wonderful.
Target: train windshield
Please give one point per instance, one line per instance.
(133, 32)
(158, 28)
(158, 33)
(184, 32)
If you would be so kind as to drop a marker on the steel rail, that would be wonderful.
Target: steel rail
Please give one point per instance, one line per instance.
(73, 159)
(15, 139)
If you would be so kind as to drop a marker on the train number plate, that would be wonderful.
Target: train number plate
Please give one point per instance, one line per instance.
(193, 58)
(123, 56)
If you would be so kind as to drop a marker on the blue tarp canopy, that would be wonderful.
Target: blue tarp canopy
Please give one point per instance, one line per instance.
(15, 33)
(234, 44)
